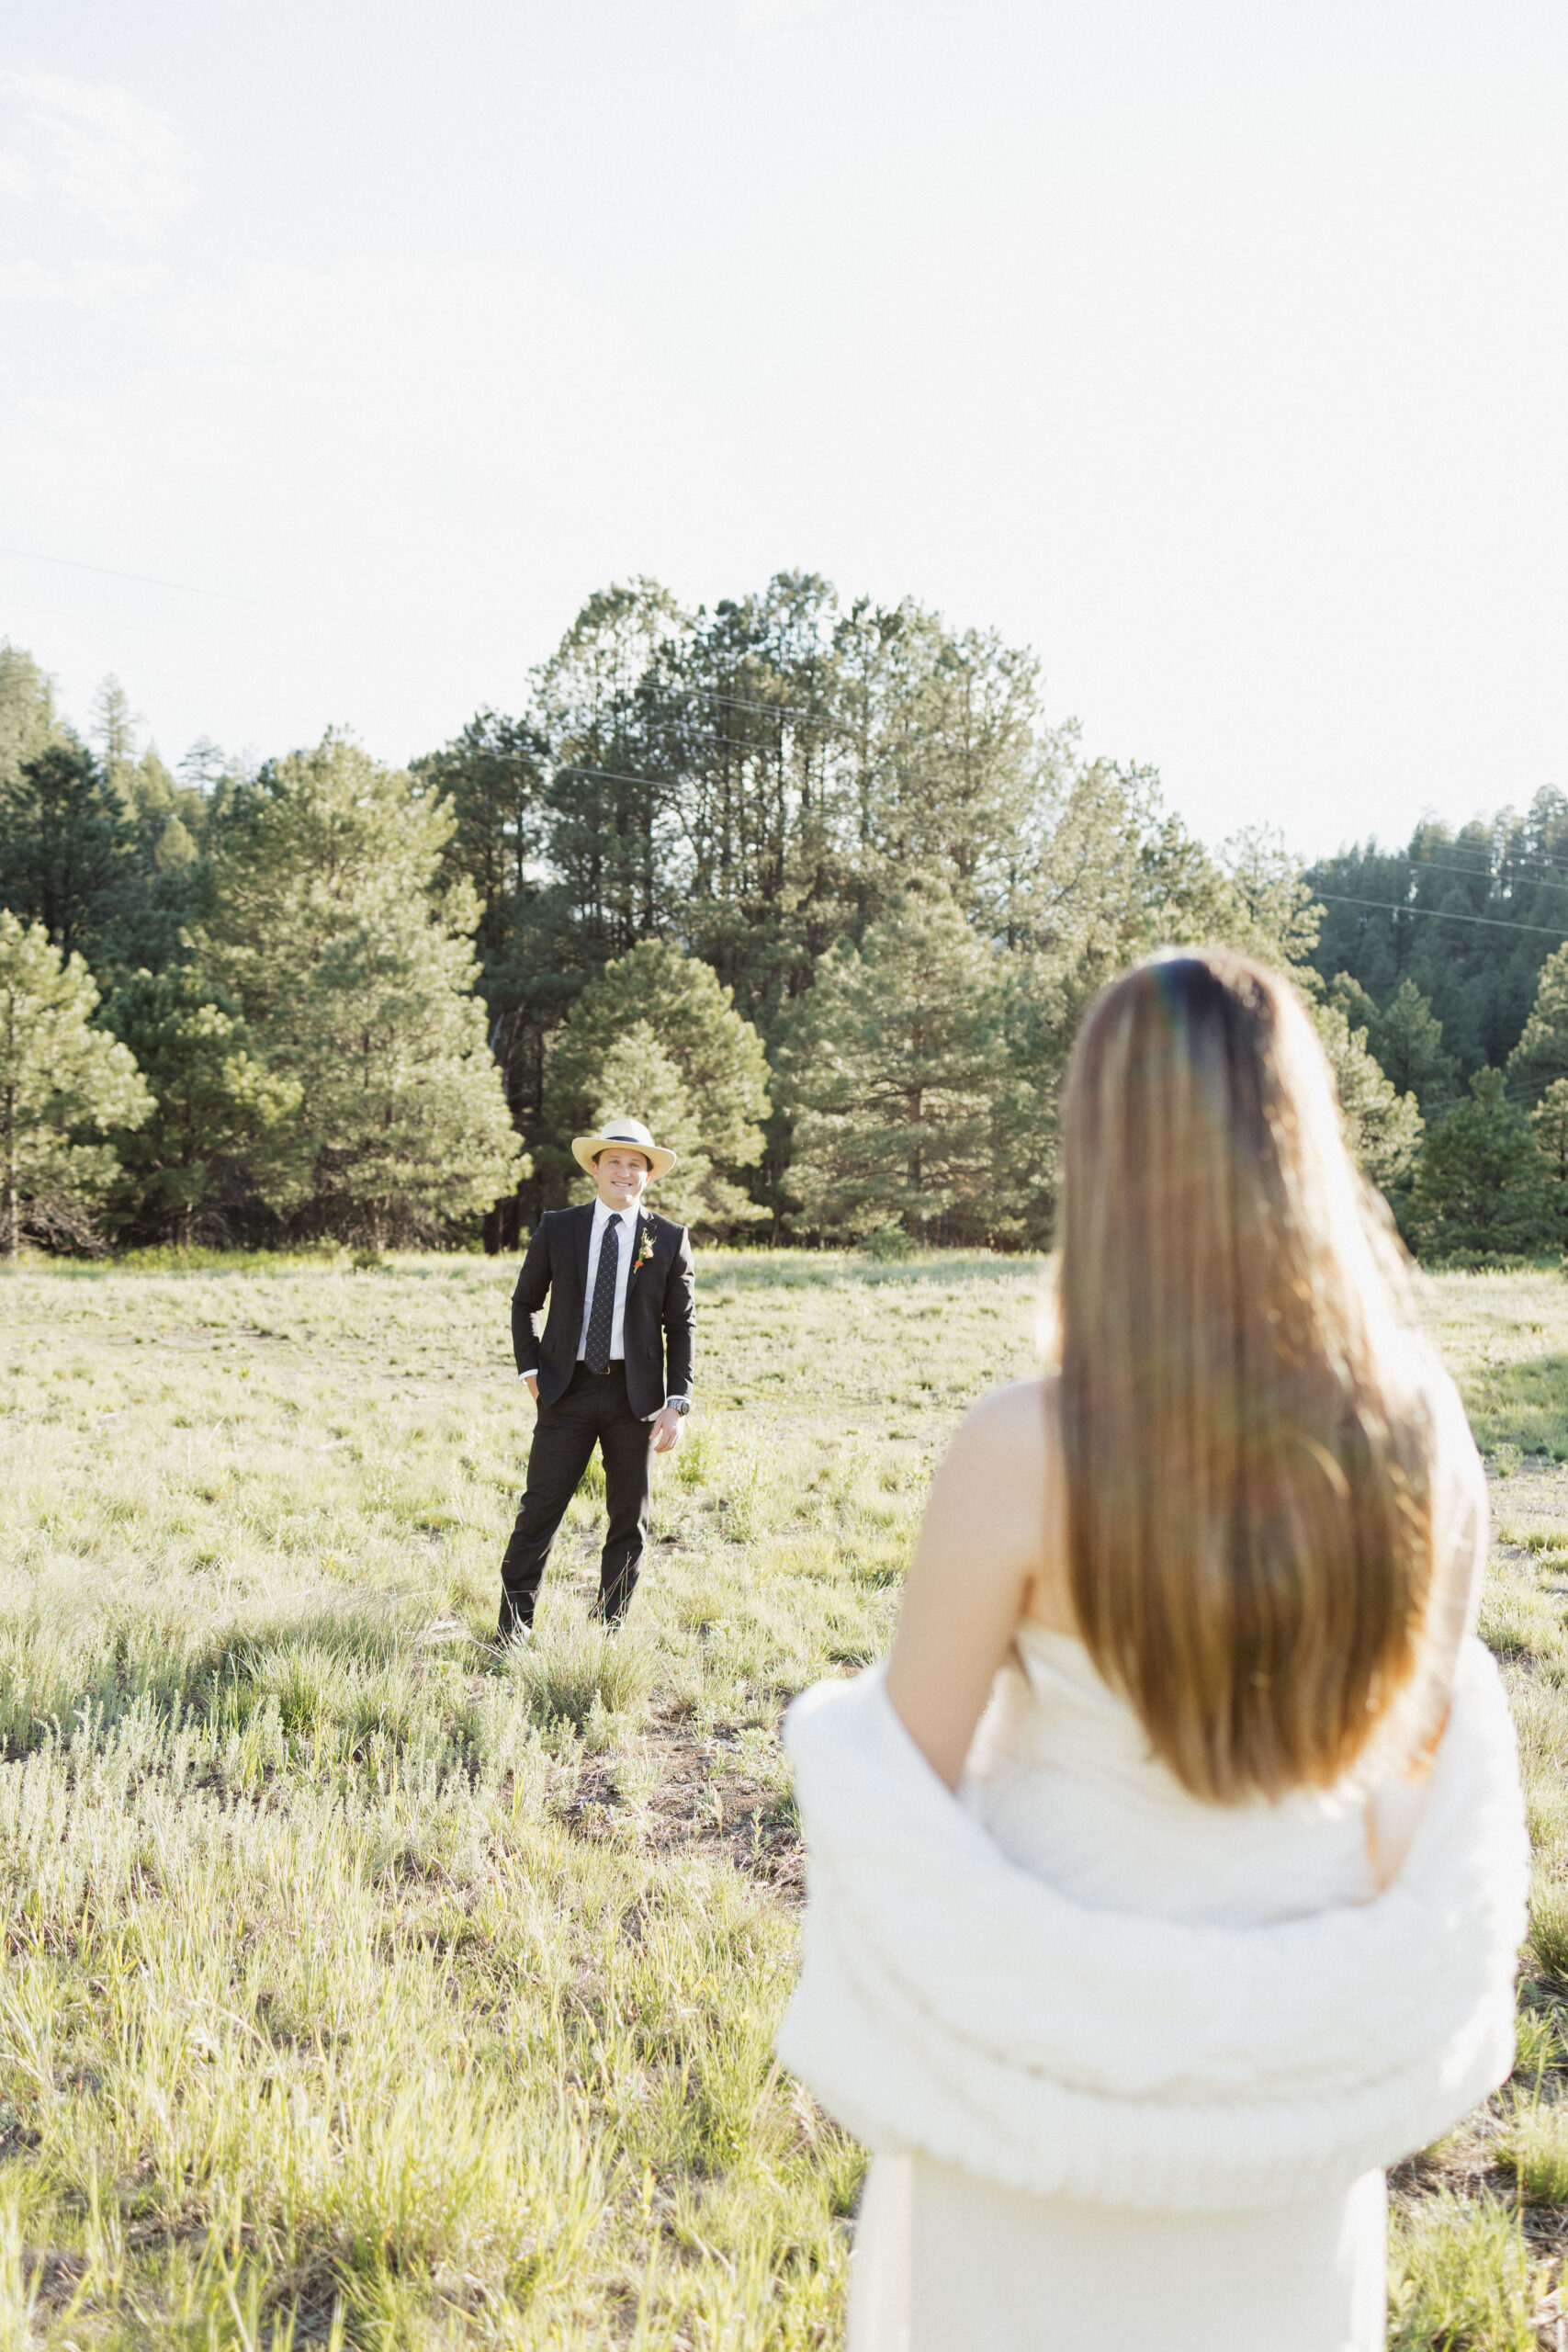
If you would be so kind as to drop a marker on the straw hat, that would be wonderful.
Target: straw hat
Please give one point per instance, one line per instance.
(634, 1136)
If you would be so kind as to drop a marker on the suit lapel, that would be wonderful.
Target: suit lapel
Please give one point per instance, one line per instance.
(584, 1236)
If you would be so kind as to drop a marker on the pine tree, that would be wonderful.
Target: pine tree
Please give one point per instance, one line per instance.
(1541, 1054)
(716, 1056)
(62, 1082)
(27, 719)
(357, 985)
(639, 1079)
(1382, 1127)
(1550, 1119)
(114, 731)
(493, 776)
(1405, 1040)
(962, 775)
(608, 799)
(740, 718)
(67, 847)
(214, 1127)
(1411, 913)
(895, 1071)
(1266, 907)
(1480, 1187)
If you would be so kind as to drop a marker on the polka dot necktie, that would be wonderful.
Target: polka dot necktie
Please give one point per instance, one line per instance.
(597, 1352)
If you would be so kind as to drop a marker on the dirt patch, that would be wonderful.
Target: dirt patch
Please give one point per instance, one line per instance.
(702, 1800)
(1531, 1496)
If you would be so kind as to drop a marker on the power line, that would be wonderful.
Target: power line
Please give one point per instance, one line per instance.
(807, 719)
(1417, 866)
(789, 709)
(1432, 866)
(144, 579)
(775, 710)
(821, 722)
(1437, 866)
(784, 709)
(1332, 897)
(624, 776)
(1425, 865)
(1440, 914)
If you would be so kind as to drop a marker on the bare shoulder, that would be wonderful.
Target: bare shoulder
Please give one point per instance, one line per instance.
(1010, 1430)
(1004, 1480)
(975, 1571)
(998, 1471)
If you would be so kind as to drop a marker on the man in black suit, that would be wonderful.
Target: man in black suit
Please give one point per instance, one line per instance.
(622, 1291)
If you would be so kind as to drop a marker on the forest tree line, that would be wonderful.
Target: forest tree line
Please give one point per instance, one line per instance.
(814, 889)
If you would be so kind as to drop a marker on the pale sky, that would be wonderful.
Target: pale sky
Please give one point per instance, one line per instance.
(1219, 351)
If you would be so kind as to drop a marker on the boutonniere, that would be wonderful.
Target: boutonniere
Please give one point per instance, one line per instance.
(644, 1249)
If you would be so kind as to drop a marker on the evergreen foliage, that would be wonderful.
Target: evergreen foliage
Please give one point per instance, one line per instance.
(1469, 917)
(493, 777)
(1550, 1119)
(1540, 1057)
(635, 1070)
(1482, 1188)
(666, 885)
(104, 854)
(1383, 1126)
(1408, 1044)
(660, 1021)
(217, 1113)
(63, 1082)
(1406, 1041)
(27, 719)
(66, 848)
(325, 935)
(896, 1072)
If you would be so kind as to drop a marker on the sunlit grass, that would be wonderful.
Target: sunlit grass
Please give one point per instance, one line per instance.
(1506, 1338)
(1458, 2278)
(359, 1974)
(361, 1977)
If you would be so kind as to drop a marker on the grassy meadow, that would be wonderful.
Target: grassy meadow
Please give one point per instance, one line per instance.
(363, 1985)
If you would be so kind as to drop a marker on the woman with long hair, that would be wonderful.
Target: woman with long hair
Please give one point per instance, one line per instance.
(1165, 1885)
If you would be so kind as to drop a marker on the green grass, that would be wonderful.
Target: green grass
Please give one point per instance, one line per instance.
(362, 1985)
(1506, 1338)
(1458, 2277)
(356, 1977)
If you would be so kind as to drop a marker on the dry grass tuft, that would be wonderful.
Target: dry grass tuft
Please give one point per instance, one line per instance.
(365, 1984)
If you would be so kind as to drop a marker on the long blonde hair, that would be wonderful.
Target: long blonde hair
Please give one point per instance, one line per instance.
(1249, 1528)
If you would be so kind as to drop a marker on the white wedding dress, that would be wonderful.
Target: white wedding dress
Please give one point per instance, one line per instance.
(1062, 1779)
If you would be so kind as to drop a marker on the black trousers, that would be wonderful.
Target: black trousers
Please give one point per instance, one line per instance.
(593, 1411)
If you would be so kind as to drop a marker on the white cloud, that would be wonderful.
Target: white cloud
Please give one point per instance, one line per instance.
(86, 286)
(111, 156)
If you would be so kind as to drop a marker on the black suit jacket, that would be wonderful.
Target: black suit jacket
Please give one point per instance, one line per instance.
(661, 1307)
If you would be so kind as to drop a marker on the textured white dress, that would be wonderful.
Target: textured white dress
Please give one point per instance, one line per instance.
(1062, 1779)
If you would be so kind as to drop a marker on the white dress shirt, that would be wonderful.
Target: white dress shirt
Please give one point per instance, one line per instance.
(626, 1238)
(625, 1252)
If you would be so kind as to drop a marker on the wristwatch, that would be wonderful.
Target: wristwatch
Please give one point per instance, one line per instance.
(681, 1405)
